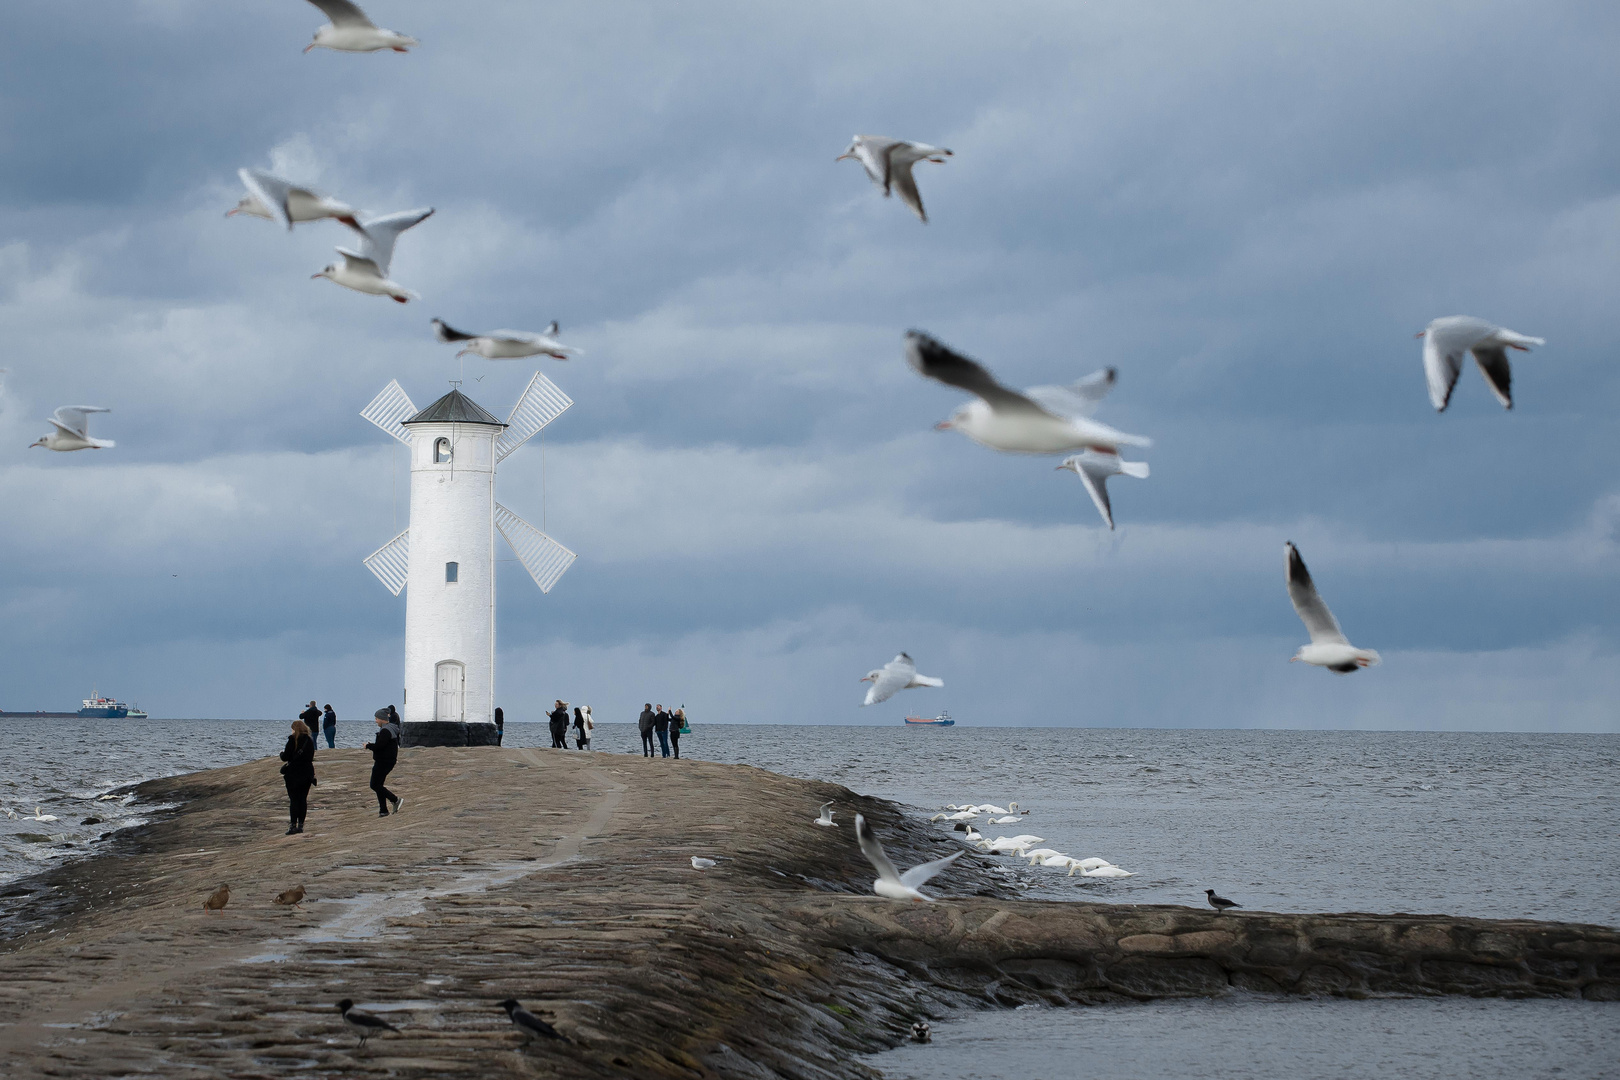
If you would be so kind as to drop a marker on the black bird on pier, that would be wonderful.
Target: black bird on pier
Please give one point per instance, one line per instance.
(363, 1022)
(530, 1024)
(1220, 903)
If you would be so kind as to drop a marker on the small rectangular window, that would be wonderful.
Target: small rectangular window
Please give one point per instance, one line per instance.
(451, 570)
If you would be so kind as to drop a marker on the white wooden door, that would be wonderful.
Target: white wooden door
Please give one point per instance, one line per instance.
(452, 681)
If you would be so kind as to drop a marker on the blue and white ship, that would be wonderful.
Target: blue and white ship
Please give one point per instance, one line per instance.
(100, 708)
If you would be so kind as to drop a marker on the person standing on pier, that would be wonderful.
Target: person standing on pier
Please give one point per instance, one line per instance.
(311, 717)
(661, 725)
(559, 725)
(582, 726)
(329, 726)
(299, 772)
(500, 725)
(384, 753)
(677, 720)
(645, 726)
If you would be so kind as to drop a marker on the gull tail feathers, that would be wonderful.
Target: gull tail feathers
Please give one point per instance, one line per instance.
(1138, 469)
(926, 680)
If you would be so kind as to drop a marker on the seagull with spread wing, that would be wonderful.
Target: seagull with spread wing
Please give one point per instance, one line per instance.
(507, 344)
(366, 270)
(897, 675)
(888, 162)
(1447, 341)
(890, 882)
(351, 31)
(274, 199)
(1329, 647)
(72, 424)
(1040, 420)
(1094, 469)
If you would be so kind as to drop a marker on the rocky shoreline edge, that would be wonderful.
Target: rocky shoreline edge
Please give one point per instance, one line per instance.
(565, 880)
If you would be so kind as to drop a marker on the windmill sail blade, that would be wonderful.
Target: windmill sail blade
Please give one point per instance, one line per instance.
(392, 562)
(387, 409)
(541, 556)
(540, 404)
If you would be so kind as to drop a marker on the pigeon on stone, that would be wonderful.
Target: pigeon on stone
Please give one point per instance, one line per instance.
(291, 897)
(363, 1022)
(218, 899)
(1220, 903)
(530, 1024)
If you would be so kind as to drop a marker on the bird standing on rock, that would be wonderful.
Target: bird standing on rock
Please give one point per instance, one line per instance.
(530, 1024)
(291, 897)
(218, 899)
(921, 1032)
(1220, 903)
(363, 1022)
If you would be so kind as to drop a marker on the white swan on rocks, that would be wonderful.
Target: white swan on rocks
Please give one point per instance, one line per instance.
(890, 882)
(40, 815)
(1107, 872)
(1009, 819)
(826, 816)
(1035, 855)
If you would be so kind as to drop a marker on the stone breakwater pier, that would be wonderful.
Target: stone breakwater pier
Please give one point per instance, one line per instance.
(565, 881)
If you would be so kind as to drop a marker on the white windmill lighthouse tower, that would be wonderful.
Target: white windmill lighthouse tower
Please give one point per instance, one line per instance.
(445, 558)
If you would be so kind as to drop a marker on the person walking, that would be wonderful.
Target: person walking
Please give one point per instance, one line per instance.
(311, 716)
(645, 725)
(661, 725)
(329, 726)
(299, 772)
(677, 720)
(384, 753)
(500, 725)
(559, 725)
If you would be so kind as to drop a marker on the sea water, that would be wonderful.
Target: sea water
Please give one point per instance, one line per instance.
(1496, 825)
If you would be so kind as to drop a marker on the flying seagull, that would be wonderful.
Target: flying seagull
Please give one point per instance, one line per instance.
(507, 344)
(292, 896)
(363, 1022)
(1446, 340)
(351, 31)
(218, 899)
(826, 816)
(1040, 420)
(1094, 469)
(72, 424)
(1329, 647)
(1220, 903)
(366, 270)
(890, 882)
(888, 162)
(274, 199)
(530, 1024)
(897, 675)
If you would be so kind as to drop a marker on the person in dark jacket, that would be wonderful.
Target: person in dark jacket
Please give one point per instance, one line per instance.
(677, 720)
(299, 772)
(311, 717)
(582, 727)
(384, 753)
(661, 725)
(500, 725)
(559, 725)
(645, 726)
(329, 726)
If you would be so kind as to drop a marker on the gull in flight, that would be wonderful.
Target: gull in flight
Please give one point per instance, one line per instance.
(1329, 647)
(351, 31)
(1446, 340)
(888, 162)
(826, 816)
(507, 344)
(897, 675)
(366, 270)
(1040, 420)
(274, 199)
(890, 882)
(72, 423)
(1094, 469)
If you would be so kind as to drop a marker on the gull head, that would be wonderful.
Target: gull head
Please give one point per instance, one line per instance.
(849, 153)
(330, 269)
(956, 420)
(870, 676)
(42, 443)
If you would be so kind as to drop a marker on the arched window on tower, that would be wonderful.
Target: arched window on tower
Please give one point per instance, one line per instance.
(441, 451)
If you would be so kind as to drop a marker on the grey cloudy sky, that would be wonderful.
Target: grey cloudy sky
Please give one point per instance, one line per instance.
(1248, 208)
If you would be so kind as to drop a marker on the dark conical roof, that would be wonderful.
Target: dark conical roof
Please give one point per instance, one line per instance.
(454, 408)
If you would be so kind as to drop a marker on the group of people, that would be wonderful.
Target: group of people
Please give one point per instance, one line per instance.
(583, 725)
(299, 757)
(324, 719)
(666, 725)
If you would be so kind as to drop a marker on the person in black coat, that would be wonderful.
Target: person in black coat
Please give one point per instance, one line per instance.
(299, 772)
(384, 753)
(329, 726)
(645, 726)
(311, 717)
(559, 725)
(500, 725)
(661, 725)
